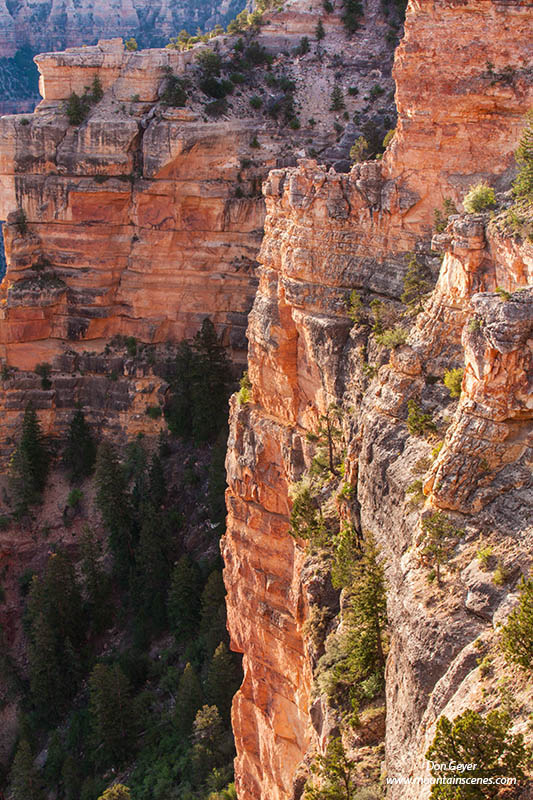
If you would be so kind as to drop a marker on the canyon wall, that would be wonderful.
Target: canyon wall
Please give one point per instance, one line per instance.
(53, 26)
(463, 87)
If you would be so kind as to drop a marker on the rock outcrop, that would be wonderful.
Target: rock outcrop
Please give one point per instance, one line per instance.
(54, 26)
(326, 234)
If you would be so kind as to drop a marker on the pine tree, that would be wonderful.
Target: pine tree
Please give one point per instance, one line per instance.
(213, 613)
(440, 536)
(415, 286)
(26, 783)
(28, 469)
(152, 574)
(95, 580)
(113, 503)
(209, 742)
(336, 774)
(319, 31)
(189, 699)
(517, 633)
(179, 409)
(210, 383)
(80, 449)
(222, 681)
(184, 599)
(485, 742)
(46, 685)
(337, 99)
(523, 185)
(112, 713)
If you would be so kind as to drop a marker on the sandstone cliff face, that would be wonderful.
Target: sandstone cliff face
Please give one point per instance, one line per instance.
(53, 26)
(326, 234)
(146, 218)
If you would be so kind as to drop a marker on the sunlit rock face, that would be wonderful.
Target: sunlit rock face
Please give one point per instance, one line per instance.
(463, 88)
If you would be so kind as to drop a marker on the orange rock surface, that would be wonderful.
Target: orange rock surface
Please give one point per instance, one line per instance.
(326, 234)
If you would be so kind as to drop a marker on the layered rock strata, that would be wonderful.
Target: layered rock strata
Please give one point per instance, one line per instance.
(325, 235)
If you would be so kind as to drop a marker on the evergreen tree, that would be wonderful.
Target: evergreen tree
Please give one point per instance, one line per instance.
(54, 760)
(116, 792)
(222, 681)
(179, 409)
(517, 633)
(440, 536)
(26, 783)
(337, 99)
(71, 778)
(152, 573)
(485, 742)
(80, 449)
(113, 503)
(319, 31)
(184, 599)
(210, 742)
(523, 185)
(95, 580)
(336, 774)
(46, 684)
(213, 613)
(189, 698)
(415, 286)
(210, 384)
(158, 486)
(217, 481)
(112, 713)
(29, 464)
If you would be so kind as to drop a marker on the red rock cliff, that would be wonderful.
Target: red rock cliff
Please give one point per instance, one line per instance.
(463, 87)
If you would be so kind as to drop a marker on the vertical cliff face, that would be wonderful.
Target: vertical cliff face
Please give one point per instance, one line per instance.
(460, 109)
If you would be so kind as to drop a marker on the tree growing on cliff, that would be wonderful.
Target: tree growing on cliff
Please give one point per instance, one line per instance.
(26, 781)
(189, 699)
(116, 792)
(523, 185)
(80, 449)
(28, 469)
(516, 638)
(485, 742)
(335, 773)
(113, 721)
(114, 505)
(329, 436)
(439, 537)
(222, 680)
(183, 600)
(415, 286)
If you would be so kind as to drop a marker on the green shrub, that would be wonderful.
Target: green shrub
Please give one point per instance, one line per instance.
(355, 306)
(294, 123)
(245, 390)
(306, 517)
(319, 31)
(154, 412)
(479, 198)
(352, 12)
(327, 6)
(44, 371)
(389, 136)
(209, 62)
(503, 294)
(174, 93)
(485, 742)
(216, 108)
(304, 46)
(501, 574)
(74, 498)
(416, 489)
(24, 121)
(474, 325)
(392, 337)
(516, 638)
(131, 45)
(453, 379)
(484, 556)
(359, 150)
(237, 78)
(418, 422)
(255, 143)
(255, 101)
(376, 91)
